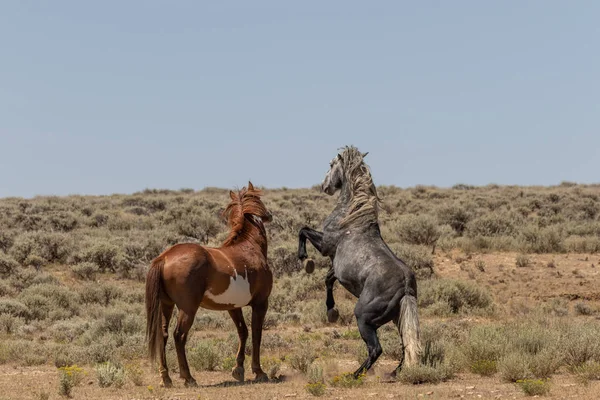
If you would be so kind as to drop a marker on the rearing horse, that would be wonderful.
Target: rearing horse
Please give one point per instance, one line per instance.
(363, 263)
(226, 278)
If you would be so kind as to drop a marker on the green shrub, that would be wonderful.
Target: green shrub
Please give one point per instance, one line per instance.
(41, 247)
(50, 300)
(543, 240)
(69, 377)
(485, 342)
(493, 224)
(229, 362)
(110, 374)
(522, 261)
(104, 294)
(14, 308)
(6, 240)
(545, 363)
(583, 308)
(201, 226)
(581, 345)
(316, 389)
(85, 270)
(204, 357)
(420, 374)
(534, 387)
(8, 265)
(10, 323)
(347, 381)
(63, 221)
(315, 373)
(484, 367)
(453, 296)
(105, 255)
(418, 229)
(456, 216)
(589, 371)
(134, 372)
(418, 258)
(302, 359)
(514, 367)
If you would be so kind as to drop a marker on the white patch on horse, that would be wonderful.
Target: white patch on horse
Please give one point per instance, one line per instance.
(237, 293)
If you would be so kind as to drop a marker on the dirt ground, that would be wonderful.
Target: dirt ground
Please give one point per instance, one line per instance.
(33, 382)
(570, 277)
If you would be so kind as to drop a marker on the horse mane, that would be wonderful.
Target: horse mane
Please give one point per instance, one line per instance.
(245, 201)
(364, 201)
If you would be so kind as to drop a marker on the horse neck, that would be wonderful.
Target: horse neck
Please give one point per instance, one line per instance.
(340, 210)
(342, 204)
(252, 235)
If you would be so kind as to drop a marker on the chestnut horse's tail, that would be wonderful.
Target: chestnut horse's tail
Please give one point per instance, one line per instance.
(153, 312)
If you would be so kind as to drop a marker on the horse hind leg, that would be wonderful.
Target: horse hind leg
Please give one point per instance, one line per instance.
(367, 311)
(166, 312)
(238, 319)
(184, 323)
(368, 332)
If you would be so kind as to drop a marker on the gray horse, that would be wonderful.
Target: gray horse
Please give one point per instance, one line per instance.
(363, 263)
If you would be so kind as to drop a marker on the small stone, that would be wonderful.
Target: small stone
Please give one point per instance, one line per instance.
(429, 393)
(291, 395)
(470, 387)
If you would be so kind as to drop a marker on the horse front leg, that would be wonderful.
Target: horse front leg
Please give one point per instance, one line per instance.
(332, 313)
(258, 318)
(314, 237)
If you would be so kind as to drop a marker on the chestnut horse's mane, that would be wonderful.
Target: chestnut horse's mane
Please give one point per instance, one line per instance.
(245, 201)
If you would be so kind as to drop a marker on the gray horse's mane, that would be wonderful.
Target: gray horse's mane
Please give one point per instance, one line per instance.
(364, 202)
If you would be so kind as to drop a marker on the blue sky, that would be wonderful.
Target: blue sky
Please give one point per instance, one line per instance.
(118, 96)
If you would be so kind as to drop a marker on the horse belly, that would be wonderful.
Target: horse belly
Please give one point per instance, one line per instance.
(236, 295)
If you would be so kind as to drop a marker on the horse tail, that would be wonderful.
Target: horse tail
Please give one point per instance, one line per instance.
(153, 312)
(409, 329)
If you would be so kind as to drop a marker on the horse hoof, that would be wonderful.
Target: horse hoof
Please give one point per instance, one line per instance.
(238, 374)
(333, 315)
(309, 265)
(190, 383)
(261, 377)
(166, 383)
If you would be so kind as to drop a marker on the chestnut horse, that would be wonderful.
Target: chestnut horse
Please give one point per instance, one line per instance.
(225, 278)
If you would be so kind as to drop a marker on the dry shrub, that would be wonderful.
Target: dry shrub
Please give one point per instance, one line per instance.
(302, 358)
(446, 296)
(205, 356)
(418, 258)
(418, 229)
(8, 265)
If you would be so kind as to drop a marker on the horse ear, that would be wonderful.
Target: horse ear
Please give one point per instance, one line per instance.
(232, 195)
(250, 186)
(364, 154)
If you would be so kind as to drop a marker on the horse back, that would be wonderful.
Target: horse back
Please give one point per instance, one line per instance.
(214, 278)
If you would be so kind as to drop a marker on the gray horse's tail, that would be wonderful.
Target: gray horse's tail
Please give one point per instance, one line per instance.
(410, 332)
